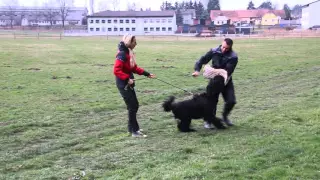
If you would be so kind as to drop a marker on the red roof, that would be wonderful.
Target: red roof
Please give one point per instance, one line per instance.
(237, 14)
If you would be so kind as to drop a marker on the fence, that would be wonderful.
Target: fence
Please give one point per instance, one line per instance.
(69, 34)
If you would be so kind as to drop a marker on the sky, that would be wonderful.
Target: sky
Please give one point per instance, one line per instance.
(155, 4)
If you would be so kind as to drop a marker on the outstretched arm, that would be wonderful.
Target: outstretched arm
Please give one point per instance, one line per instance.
(203, 60)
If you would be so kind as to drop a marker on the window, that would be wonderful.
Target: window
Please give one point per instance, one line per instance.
(146, 21)
(127, 29)
(127, 21)
(97, 29)
(133, 29)
(121, 21)
(121, 29)
(169, 28)
(158, 21)
(109, 29)
(91, 21)
(103, 21)
(109, 21)
(97, 21)
(91, 29)
(145, 29)
(157, 29)
(169, 20)
(115, 29)
(115, 21)
(163, 29)
(164, 20)
(133, 21)
(151, 29)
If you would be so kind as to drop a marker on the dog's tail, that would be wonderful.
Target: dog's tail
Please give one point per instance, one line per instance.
(167, 105)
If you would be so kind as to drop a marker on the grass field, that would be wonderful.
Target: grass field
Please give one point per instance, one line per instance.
(62, 114)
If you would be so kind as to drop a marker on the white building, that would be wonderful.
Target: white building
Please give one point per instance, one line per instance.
(220, 20)
(188, 16)
(134, 22)
(310, 15)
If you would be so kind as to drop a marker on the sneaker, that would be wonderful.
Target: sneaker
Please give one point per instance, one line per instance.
(208, 125)
(138, 134)
(227, 121)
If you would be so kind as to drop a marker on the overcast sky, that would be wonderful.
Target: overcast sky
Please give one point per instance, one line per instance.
(155, 4)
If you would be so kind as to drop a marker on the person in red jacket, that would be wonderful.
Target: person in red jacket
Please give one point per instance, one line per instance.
(124, 67)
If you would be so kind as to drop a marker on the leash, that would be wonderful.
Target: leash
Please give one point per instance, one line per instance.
(127, 86)
(174, 86)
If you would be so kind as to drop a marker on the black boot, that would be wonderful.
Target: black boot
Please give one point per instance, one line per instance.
(227, 121)
(227, 109)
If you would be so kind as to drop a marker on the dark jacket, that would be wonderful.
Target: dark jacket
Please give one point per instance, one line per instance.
(122, 69)
(226, 61)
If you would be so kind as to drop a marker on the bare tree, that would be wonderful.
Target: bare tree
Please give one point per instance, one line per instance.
(131, 6)
(12, 11)
(50, 12)
(115, 4)
(64, 8)
(91, 6)
(103, 6)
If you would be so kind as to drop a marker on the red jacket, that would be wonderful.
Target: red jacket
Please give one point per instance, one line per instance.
(122, 69)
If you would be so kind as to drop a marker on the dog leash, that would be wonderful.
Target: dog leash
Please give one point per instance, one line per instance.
(174, 86)
(127, 86)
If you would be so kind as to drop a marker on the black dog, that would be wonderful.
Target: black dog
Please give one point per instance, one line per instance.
(198, 107)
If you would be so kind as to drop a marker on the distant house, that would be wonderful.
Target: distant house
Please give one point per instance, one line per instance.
(239, 17)
(310, 15)
(134, 22)
(270, 19)
(220, 20)
(188, 16)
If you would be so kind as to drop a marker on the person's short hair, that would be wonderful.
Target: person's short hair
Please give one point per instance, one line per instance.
(229, 42)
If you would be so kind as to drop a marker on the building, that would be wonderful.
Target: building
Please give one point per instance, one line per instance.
(239, 17)
(188, 16)
(310, 15)
(134, 22)
(41, 16)
(270, 19)
(220, 20)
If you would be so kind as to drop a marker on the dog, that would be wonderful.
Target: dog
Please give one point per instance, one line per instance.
(198, 107)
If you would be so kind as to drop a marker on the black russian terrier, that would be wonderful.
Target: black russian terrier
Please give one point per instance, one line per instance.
(200, 106)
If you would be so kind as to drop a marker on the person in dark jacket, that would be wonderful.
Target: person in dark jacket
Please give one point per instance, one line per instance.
(124, 67)
(223, 57)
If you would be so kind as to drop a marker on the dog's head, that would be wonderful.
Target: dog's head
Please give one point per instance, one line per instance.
(218, 83)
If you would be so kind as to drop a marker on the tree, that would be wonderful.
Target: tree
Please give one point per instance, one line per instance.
(11, 5)
(103, 6)
(50, 13)
(251, 6)
(179, 18)
(91, 6)
(115, 4)
(213, 5)
(64, 8)
(287, 11)
(199, 10)
(131, 6)
(266, 5)
(296, 11)
(191, 5)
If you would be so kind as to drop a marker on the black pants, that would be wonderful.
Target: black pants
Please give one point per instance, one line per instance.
(130, 98)
(227, 94)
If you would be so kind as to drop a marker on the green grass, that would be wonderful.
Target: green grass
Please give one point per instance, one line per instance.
(61, 112)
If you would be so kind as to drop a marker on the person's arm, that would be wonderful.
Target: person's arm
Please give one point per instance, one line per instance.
(203, 60)
(230, 67)
(118, 66)
(140, 71)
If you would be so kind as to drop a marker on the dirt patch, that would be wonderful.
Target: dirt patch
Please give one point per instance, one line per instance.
(167, 67)
(4, 124)
(148, 91)
(102, 81)
(102, 65)
(32, 69)
(163, 60)
(56, 77)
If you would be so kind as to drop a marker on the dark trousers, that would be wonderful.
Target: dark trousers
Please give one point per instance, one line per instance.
(130, 98)
(227, 94)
